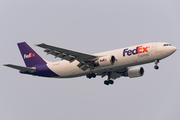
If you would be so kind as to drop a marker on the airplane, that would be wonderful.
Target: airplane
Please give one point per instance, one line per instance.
(113, 64)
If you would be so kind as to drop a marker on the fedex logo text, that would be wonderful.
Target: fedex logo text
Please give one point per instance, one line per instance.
(103, 60)
(138, 50)
(29, 56)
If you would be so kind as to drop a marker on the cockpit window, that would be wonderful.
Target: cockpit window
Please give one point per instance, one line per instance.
(167, 45)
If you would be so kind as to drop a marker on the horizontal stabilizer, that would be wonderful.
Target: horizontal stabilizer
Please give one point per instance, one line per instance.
(25, 69)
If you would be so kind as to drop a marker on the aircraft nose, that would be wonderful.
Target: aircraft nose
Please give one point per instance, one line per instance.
(170, 50)
(173, 49)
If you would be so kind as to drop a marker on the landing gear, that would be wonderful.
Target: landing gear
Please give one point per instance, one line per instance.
(107, 82)
(156, 67)
(111, 82)
(91, 75)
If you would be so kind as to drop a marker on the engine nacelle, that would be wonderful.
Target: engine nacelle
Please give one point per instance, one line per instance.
(134, 72)
(105, 61)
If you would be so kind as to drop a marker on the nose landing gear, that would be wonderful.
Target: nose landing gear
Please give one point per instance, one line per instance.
(156, 62)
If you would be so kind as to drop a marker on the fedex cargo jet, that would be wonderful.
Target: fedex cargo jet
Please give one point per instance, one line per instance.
(113, 64)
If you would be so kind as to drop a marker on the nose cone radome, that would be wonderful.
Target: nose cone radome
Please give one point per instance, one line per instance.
(169, 50)
(173, 49)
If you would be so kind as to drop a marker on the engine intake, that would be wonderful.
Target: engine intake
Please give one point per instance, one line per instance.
(105, 61)
(134, 72)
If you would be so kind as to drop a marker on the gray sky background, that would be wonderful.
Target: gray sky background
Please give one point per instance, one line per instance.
(91, 27)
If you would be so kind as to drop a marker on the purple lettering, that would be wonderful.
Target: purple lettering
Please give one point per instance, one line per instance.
(125, 51)
(130, 52)
(135, 51)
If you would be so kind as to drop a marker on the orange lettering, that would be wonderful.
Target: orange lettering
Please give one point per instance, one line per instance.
(139, 49)
(145, 49)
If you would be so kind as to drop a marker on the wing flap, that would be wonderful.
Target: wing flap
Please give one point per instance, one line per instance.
(83, 66)
(25, 69)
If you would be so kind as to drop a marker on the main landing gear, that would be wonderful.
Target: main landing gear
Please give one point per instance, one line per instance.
(91, 74)
(156, 67)
(108, 81)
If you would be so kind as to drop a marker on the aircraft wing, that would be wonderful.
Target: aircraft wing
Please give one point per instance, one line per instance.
(85, 60)
(114, 74)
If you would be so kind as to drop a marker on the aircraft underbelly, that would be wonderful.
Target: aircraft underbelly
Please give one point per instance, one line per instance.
(74, 71)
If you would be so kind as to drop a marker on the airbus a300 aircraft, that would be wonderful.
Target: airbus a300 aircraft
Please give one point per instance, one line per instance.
(114, 64)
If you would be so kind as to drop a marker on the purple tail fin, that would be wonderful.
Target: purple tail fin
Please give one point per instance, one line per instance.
(30, 57)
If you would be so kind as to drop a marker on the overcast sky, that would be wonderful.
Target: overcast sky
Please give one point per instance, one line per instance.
(89, 26)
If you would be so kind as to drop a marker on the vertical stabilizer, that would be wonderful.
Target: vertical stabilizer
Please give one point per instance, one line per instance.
(30, 57)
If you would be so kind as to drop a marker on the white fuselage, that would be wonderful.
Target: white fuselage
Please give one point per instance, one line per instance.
(125, 57)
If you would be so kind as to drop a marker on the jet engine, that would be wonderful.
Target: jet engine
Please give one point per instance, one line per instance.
(105, 61)
(134, 72)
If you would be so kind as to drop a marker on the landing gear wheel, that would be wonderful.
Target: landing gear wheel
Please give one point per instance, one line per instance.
(88, 76)
(156, 67)
(111, 82)
(93, 75)
(106, 82)
(156, 63)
